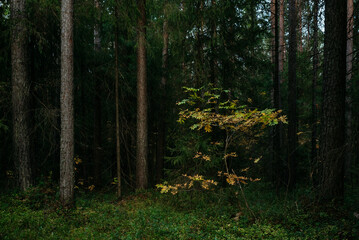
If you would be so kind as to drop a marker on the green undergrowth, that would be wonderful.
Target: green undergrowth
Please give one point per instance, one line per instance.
(220, 214)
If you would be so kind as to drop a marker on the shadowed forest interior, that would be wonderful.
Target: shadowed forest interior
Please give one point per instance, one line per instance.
(179, 119)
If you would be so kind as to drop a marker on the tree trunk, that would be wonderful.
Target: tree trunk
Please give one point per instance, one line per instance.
(117, 99)
(277, 162)
(67, 107)
(333, 123)
(97, 149)
(161, 142)
(349, 61)
(292, 96)
(314, 167)
(20, 94)
(142, 144)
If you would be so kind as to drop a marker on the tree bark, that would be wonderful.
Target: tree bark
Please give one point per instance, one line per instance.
(314, 167)
(20, 94)
(349, 61)
(332, 151)
(117, 99)
(67, 107)
(97, 149)
(277, 161)
(142, 142)
(292, 96)
(161, 141)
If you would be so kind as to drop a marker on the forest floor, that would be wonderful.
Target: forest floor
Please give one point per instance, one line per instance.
(220, 214)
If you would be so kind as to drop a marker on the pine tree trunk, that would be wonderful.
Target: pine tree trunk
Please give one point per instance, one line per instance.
(67, 107)
(292, 97)
(20, 94)
(277, 129)
(332, 149)
(349, 61)
(161, 143)
(142, 144)
(314, 165)
(97, 149)
(117, 104)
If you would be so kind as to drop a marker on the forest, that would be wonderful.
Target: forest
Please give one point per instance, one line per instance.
(179, 119)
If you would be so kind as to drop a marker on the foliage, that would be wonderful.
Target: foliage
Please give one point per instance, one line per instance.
(41, 196)
(151, 215)
(211, 109)
(221, 139)
(227, 115)
(190, 184)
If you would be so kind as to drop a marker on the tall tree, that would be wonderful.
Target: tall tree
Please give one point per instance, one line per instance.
(292, 96)
(332, 147)
(142, 142)
(20, 94)
(97, 100)
(314, 166)
(161, 124)
(67, 107)
(349, 61)
(277, 162)
(117, 105)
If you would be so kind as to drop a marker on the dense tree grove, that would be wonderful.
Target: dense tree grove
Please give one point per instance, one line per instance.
(126, 95)
(210, 100)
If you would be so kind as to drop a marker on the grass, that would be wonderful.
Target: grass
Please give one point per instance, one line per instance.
(218, 214)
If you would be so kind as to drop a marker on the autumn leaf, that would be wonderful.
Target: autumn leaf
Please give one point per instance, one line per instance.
(208, 128)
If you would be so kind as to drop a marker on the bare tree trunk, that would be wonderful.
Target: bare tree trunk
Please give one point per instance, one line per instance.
(20, 94)
(142, 142)
(314, 167)
(117, 99)
(67, 107)
(332, 150)
(277, 162)
(161, 142)
(97, 149)
(292, 96)
(349, 61)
